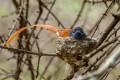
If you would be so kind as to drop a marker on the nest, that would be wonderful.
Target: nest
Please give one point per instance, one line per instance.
(73, 51)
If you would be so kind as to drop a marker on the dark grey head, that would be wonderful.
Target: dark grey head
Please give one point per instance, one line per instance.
(77, 33)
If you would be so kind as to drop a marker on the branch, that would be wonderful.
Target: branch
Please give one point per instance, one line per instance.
(27, 52)
(104, 67)
(53, 15)
(102, 47)
(79, 14)
(109, 29)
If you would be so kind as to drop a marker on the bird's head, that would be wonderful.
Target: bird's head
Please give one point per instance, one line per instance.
(77, 33)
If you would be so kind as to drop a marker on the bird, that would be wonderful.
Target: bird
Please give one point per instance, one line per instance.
(76, 33)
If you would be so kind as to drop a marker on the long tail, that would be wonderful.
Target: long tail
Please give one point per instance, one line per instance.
(60, 32)
(47, 27)
(16, 33)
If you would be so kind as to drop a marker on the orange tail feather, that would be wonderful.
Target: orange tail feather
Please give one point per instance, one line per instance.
(59, 32)
(16, 33)
(47, 27)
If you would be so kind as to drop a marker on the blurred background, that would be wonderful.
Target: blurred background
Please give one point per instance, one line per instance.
(66, 12)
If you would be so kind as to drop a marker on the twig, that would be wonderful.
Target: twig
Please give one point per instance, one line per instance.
(96, 2)
(106, 53)
(109, 29)
(46, 68)
(95, 27)
(46, 18)
(102, 47)
(79, 14)
(27, 52)
(16, 4)
(53, 15)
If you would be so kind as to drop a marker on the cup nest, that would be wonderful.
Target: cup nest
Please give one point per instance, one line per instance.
(73, 51)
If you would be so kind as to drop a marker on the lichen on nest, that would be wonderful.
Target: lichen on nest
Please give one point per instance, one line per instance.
(73, 51)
